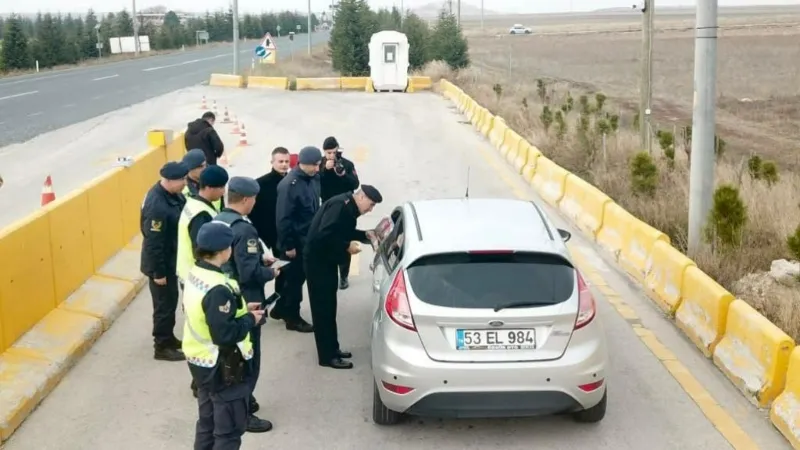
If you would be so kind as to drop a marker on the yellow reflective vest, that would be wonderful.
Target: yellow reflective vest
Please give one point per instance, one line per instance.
(198, 346)
(190, 192)
(185, 256)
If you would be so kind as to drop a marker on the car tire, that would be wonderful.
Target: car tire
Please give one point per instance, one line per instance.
(382, 415)
(595, 413)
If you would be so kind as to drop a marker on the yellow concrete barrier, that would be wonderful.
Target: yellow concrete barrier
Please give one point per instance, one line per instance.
(138, 179)
(27, 291)
(548, 180)
(487, 123)
(464, 102)
(478, 118)
(754, 354)
(663, 278)
(528, 169)
(226, 80)
(521, 157)
(510, 147)
(703, 311)
(70, 242)
(105, 215)
(785, 410)
(419, 84)
(611, 235)
(280, 83)
(584, 204)
(471, 112)
(177, 148)
(318, 84)
(637, 244)
(498, 132)
(354, 83)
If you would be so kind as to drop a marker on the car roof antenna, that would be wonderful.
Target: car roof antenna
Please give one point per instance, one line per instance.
(466, 194)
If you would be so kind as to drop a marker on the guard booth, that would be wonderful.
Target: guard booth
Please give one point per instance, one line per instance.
(388, 61)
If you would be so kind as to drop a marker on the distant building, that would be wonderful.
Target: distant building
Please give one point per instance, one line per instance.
(157, 19)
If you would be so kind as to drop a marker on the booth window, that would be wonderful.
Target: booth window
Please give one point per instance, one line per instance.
(389, 53)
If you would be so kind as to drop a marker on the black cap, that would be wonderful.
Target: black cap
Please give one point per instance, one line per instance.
(214, 177)
(194, 158)
(309, 155)
(330, 143)
(245, 186)
(371, 193)
(214, 236)
(174, 170)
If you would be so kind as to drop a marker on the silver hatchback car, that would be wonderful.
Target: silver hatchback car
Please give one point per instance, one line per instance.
(481, 313)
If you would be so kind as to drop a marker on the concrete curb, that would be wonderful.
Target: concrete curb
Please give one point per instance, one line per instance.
(415, 83)
(36, 363)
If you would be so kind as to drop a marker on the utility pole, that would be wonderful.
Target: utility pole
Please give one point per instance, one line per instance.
(235, 19)
(309, 27)
(458, 17)
(482, 29)
(646, 77)
(135, 30)
(701, 178)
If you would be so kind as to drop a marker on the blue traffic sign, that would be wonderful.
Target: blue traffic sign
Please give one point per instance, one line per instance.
(261, 51)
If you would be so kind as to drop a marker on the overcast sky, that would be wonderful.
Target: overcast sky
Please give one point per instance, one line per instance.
(511, 6)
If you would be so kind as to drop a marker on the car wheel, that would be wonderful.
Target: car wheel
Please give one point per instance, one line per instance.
(595, 413)
(382, 415)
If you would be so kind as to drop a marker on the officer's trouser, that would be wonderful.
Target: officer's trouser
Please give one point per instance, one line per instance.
(255, 362)
(288, 306)
(222, 418)
(165, 303)
(344, 267)
(323, 284)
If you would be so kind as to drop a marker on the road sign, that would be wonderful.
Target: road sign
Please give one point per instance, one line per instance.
(268, 43)
(266, 50)
(261, 51)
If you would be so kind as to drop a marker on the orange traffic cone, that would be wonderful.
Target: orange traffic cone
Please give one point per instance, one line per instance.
(243, 137)
(226, 118)
(47, 191)
(223, 161)
(236, 129)
(204, 106)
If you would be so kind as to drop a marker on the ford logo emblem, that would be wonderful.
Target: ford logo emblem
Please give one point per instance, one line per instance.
(496, 323)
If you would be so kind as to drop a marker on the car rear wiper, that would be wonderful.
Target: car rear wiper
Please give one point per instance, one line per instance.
(518, 305)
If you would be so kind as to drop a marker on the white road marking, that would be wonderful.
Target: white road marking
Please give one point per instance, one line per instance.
(18, 95)
(106, 78)
(192, 61)
(35, 114)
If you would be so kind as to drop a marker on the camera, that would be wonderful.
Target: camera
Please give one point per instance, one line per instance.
(338, 165)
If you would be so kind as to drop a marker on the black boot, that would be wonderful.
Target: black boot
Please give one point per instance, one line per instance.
(167, 353)
(299, 325)
(256, 425)
(343, 283)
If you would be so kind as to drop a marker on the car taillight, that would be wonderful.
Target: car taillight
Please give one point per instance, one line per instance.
(586, 305)
(397, 306)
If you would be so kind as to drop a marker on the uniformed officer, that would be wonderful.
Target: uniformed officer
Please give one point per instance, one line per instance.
(331, 237)
(217, 343)
(159, 226)
(199, 209)
(248, 266)
(298, 201)
(196, 160)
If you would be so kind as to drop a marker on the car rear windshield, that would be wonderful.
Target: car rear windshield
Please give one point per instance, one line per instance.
(462, 280)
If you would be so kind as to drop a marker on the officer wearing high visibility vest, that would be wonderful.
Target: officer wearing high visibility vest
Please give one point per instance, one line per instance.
(216, 342)
(248, 264)
(195, 160)
(198, 211)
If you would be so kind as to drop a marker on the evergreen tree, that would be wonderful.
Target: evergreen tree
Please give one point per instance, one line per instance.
(449, 44)
(418, 34)
(123, 25)
(349, 42)
(16, 53)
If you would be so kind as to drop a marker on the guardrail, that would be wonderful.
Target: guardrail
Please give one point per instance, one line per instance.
(68, 271)
(758, 358)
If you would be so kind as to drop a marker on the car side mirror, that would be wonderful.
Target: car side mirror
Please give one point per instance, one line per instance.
(565, 235)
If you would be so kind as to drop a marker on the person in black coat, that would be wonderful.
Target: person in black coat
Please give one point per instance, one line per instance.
(158, 223)
(263, 214)
(337, 175)
(201, 134)
(330, 238)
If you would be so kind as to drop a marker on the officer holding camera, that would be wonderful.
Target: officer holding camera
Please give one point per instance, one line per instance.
(337, 176)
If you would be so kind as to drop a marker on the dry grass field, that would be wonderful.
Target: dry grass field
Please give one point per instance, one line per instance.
(758, 112)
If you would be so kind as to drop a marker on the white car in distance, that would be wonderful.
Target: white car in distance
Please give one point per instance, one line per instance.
(519, 29)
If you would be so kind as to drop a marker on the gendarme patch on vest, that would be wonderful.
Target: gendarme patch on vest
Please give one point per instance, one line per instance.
(226, 308)
(252, 246)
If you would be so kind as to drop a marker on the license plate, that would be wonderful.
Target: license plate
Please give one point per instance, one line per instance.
(524, 339)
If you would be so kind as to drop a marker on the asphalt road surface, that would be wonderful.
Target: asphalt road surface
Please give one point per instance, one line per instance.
(411, 146)
(35, 104)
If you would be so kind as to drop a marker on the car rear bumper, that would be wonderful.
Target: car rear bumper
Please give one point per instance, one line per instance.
(509, 389)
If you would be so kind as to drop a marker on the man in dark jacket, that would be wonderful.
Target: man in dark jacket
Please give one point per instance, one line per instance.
(337, 175)
(330, 238)
(160, 213)
(298, 201)
(201, 134)
(263, 214)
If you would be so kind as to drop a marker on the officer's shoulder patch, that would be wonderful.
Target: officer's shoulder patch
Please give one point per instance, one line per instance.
(252, 246)
(156, 225)
(226, 308)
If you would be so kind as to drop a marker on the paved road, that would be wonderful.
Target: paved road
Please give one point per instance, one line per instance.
(35, 104)
(410, 146)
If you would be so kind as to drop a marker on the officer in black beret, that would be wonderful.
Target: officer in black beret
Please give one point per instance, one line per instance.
(195, 159)
(160, 213)
(216, 341)
(250, 267)
(331, 237)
